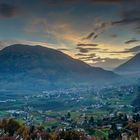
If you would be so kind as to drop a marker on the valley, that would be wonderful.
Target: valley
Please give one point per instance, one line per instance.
(37, 106)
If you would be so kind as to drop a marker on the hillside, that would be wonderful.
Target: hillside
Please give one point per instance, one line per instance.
(131, 67)
(24, 62)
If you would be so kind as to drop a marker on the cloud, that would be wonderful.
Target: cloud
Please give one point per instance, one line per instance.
(99, 28)
(132, 50)
(95, 36)
(63, 49)
(87, 57)
(130, 14)
(107, 63)
(8, 10)
(104, 62)
(89, 36)
(131, 41)
(82, 50)
(86, 50)
(81, 54)
(80, 44)
(59, 29)
(103, 26)
(127, 20)
(135, 49)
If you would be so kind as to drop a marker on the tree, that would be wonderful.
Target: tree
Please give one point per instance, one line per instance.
(113, 127)
(68, 115)
(28, 138)
(12, 126)
(137, 118)
(32, 128)
(91, 120)
(4, 125)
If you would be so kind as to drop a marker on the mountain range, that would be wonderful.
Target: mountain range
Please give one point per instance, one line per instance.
(36, 66)
(131, 67)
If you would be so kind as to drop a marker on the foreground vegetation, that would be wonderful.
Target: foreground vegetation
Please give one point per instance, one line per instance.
(118, 127)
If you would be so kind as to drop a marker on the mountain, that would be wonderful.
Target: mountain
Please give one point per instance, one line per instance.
(131, 67)
(41, 66)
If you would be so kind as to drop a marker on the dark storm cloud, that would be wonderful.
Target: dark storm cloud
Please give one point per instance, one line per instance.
(8, 10)
(131, 41)
(80, 44)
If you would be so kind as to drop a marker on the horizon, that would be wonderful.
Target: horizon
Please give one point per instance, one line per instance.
(36, 44)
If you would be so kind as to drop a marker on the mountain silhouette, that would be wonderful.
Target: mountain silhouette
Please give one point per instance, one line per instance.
(131, 67)
(36, 63)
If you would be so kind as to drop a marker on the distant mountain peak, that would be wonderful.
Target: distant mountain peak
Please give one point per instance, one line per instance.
(132, 66)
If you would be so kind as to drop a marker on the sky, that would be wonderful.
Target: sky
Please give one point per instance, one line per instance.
(102, 33)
